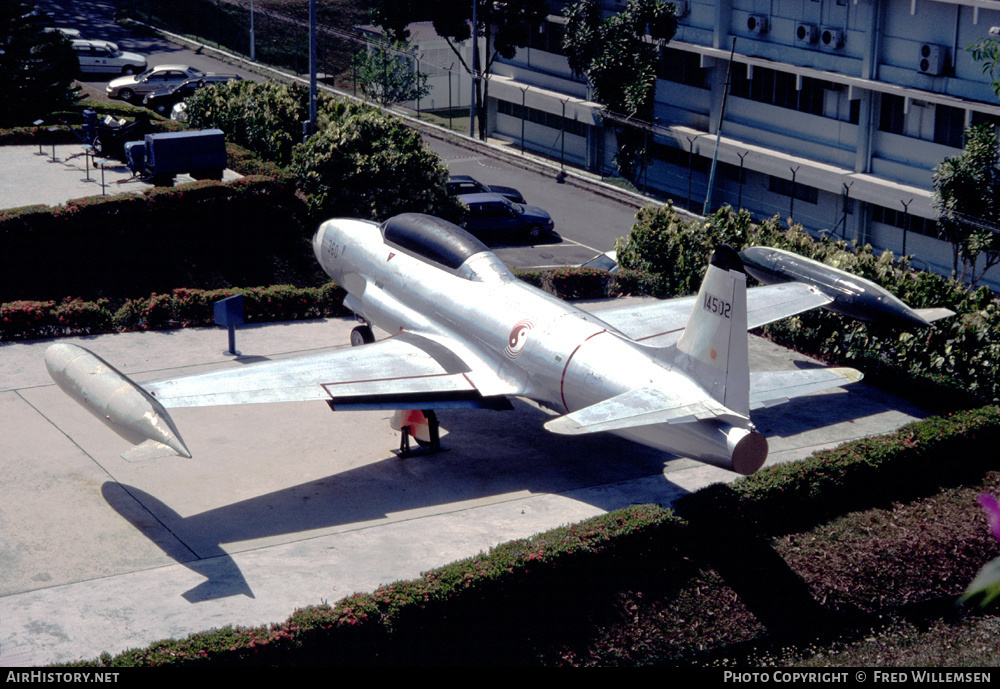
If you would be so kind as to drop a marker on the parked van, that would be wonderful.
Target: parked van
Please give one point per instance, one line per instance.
(104, 57)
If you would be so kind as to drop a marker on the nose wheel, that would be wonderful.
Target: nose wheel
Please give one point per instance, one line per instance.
(362, 335)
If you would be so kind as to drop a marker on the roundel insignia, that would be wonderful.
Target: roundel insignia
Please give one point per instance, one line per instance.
(518, 338)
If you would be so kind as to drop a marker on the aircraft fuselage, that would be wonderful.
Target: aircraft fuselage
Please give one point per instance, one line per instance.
(533, 344)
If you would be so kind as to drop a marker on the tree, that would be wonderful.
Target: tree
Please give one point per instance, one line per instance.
(385, 73)
(504, 26)
(967, 196)
(987, 51)
(617, 55)
(367, 164)
(37, 68)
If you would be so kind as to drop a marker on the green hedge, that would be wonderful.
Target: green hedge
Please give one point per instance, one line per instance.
(250, 231)
(181, 308)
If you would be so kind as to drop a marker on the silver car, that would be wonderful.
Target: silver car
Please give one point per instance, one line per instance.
(104, 57)
(134, 88)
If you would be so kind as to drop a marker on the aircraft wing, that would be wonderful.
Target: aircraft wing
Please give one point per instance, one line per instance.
(770, 388)
(405, 371)
(659, 323)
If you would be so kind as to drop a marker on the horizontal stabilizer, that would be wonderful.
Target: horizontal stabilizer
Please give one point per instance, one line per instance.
(770, 388)
(147, 450)
(640, 407)
(934, 314)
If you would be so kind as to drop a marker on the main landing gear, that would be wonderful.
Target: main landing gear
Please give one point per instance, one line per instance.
(421, 426)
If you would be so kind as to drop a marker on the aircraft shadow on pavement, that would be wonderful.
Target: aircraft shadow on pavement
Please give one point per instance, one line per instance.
(488, 455)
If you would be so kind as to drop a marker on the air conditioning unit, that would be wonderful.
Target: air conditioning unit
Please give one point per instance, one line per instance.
(806, 33)
(757, 23)
(680, 8)
(831, 38)
(933, 59)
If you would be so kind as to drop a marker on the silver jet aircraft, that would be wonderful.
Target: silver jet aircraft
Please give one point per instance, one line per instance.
(465, 333)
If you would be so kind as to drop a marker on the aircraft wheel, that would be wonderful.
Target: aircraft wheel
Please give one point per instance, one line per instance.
(362, 335)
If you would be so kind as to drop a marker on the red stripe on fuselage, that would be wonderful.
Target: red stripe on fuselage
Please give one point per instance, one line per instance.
(562, 380)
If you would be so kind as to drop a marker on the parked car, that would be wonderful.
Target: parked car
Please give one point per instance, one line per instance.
(463, 184)
(104, 57)
(495, 216)
(134, 88)
(163, 100)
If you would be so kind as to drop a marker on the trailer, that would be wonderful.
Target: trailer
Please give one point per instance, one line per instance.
(201, 154)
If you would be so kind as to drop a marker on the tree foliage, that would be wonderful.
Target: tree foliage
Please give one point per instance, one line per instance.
(360, 163)
(503, 25)
(37, 68)
(618, 59)
(967, 196)
(368, 164)
(385, 72)
(986, 51)
(961, 349)
(265, 117)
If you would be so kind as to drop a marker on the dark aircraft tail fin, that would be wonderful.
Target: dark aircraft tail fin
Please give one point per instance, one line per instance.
(714, 347)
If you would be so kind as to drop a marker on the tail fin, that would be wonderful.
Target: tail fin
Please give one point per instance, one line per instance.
(714, 348)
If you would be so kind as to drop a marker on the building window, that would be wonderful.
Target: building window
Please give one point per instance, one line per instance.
(785, 187)
(979, 118)
(891, 117)
(779, 88)
(949, 126)
(679, 157)
(682, 67)
(546, 119)
(900, 219)
(548, 36)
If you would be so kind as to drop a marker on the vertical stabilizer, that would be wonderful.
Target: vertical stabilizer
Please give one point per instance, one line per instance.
(714, 346)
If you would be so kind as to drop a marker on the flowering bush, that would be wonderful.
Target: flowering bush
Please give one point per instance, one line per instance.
(986, 585)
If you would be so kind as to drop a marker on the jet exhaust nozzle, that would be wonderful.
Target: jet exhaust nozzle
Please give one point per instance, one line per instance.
(749, 450)
(112, 397)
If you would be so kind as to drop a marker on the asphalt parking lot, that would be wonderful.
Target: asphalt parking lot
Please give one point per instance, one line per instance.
(289, 505)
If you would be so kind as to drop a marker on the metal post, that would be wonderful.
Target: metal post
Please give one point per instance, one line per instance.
(739, 198)
(253, 42)
(847, 199)
(524, 93)
(906, 222)
(449, 95)
(562, 136)
(718, 131)
(691, 141)
(312, 67)
(791, 204)
(475, 72)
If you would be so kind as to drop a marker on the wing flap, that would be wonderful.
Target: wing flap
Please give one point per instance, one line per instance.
(403, 368)
(770, 388)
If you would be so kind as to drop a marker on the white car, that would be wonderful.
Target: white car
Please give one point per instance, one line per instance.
(133, 89)
(104, 57)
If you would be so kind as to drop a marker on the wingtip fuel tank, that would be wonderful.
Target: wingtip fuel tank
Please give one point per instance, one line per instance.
(112, 397)
(851, 295)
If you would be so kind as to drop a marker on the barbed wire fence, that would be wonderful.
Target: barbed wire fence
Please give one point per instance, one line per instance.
(282, 40)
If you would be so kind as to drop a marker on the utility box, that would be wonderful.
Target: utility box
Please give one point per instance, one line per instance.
(135, 156)
(201, 154)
